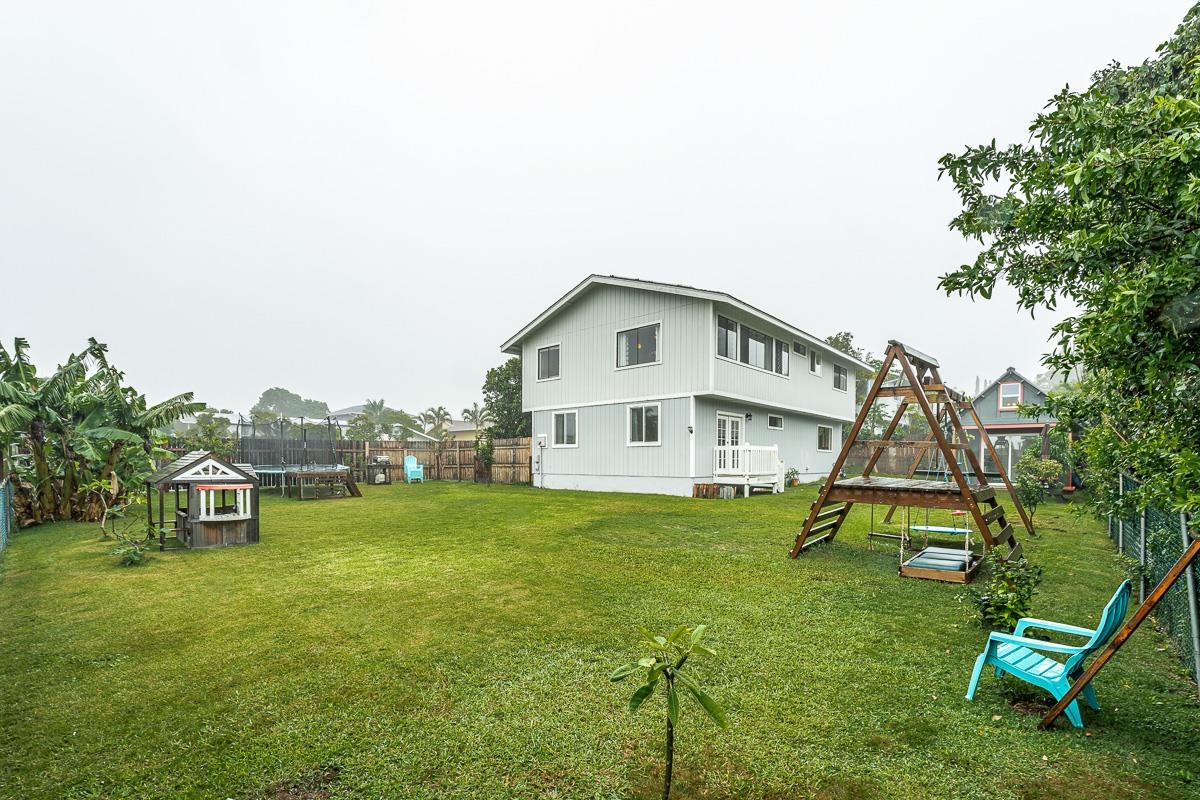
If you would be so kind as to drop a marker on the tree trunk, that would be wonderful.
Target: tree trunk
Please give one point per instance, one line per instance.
(44, 507)
(666, 795)
(67, 496)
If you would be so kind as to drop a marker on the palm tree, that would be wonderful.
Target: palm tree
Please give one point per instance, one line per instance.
(434, 418)
(479, 416)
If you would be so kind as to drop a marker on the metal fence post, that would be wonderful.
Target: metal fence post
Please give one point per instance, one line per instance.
(1121, 522)
(1142, 558)
(1191, 599)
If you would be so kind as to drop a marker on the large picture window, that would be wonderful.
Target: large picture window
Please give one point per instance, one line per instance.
(547, 362)
(841, 379)
(824, 438)
(564, 429)
(1010, 396)
(643, 424)
(726, 337)
(755, 348)
(638, 346)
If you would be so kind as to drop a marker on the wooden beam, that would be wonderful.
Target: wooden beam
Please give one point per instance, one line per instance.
(925, 444)
(902, 497)
(987, 440)
(887, 433)
(1139, 616)
(840, 461)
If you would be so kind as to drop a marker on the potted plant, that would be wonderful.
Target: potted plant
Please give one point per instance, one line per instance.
(792, 477)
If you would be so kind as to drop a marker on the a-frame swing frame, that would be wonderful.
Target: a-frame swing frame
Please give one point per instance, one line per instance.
(921, 385)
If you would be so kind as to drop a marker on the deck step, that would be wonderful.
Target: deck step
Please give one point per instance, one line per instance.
(811, 540)
(828, 525)
(827, 513)
(993, 515)
(1005, 536)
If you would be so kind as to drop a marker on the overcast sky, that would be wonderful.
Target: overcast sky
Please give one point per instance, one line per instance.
(361, 199)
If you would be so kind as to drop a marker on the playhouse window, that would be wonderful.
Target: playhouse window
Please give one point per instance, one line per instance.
(214, 501)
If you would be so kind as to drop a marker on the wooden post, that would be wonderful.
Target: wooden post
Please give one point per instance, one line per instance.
(987, 440)
(1143, 611)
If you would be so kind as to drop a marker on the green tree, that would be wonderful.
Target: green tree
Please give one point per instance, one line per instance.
(502, 399)
(276, 402)
(1035, 478)
(211, 433)
(1100, 211)
(88, 435)
(664, 668)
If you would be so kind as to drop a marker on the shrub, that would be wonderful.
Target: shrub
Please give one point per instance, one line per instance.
(130, 551)
(1006, 595)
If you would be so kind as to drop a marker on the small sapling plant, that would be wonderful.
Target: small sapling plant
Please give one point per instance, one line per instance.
(665, 669)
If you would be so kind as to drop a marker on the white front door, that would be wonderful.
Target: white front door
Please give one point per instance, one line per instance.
(729, 436)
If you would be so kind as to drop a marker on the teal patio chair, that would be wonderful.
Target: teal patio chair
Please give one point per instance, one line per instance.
(1018, 655)
(412, 470)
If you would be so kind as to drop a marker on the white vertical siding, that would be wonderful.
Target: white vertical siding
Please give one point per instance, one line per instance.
(603, 449)
(586, 333)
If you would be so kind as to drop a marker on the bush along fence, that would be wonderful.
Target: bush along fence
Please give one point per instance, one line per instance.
(448, 461)
(6, 515)
(1156, 539)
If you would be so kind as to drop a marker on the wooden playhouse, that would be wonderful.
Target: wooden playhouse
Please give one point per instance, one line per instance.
(215, 501)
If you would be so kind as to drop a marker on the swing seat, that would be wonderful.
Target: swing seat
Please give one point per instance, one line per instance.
(1016, 655)
(938, 529)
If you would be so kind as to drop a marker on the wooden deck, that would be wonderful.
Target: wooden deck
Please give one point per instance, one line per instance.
(902, 491)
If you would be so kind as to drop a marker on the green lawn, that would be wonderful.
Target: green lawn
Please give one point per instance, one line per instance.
(451, 640)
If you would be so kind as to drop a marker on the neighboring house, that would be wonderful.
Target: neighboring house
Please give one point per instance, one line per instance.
(461, 430)
(650, 387)
(1010, 430)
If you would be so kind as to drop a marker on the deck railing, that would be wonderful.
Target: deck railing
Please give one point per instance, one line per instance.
(747, 461)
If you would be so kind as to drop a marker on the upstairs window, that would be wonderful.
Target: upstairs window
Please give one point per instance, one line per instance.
(781, 357)
(638, 346)
(775, 422)
(548, 362)
(1010, 396)
(727, 338)
(841, 379)
(814, 362)
(643, 424)
(755, 348)
(799, 349)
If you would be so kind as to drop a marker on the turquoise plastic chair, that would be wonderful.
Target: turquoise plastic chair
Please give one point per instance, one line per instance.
(412, 470)
(1015, 654)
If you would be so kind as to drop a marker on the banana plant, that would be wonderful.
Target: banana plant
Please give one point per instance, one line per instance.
(664, 669)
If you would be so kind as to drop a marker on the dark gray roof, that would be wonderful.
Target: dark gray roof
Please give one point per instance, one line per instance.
(181, 465)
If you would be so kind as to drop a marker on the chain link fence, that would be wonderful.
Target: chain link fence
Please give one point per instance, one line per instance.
(1156, 539)
(6, 515)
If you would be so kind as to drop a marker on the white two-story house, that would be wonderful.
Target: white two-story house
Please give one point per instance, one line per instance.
(637, 386)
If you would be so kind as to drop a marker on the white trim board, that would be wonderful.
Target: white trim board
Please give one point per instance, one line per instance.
(737, 398)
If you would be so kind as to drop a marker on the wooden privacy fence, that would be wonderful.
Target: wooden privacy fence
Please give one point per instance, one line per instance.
(448, 461)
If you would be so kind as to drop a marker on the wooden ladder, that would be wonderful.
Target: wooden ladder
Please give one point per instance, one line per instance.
(988, 513)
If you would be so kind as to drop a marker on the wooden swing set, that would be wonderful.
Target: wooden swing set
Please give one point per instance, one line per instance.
(964, 491)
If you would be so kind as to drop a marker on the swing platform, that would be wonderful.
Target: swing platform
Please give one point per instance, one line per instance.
(942, 564)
